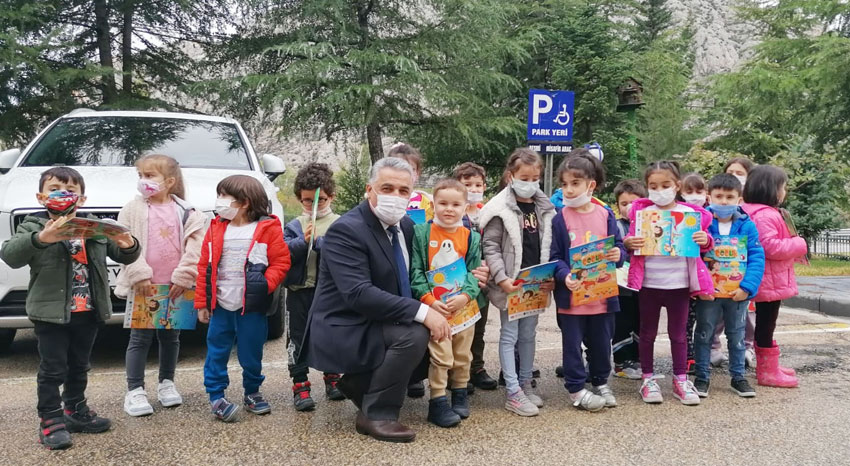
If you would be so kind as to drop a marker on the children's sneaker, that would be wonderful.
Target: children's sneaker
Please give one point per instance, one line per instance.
(605, 392)
(685, 392)
(628, 370)
(743, 388)
(255, 403)
(441, 414)
(701, 387)
(52, 432)
(650, 392)
(460, 402)
(301, 397)
(136, 403)
(518, 403)
(85, 420)
(589, 401)
(750, 358)
(531, 394)
(224, 410)
(332, 392)
(718, 357)
(166, 393)
(559, 372)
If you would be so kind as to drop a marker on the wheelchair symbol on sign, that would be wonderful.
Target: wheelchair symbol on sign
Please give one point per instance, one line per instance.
(563, 114)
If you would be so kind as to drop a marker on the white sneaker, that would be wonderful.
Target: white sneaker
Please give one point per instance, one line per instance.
(605, 392)
(520, 404)
(589, 401)
(532, 395)
(167, 394)
(136, 403)
(650, 391)
(718, 357)
(750, 358)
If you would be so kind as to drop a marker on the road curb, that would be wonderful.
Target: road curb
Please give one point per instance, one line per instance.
(814, 302)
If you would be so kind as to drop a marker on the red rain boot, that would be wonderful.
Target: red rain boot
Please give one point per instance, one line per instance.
(787, 370)
(767, 369)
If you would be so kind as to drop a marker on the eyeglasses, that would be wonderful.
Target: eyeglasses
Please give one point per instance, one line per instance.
(309, 202)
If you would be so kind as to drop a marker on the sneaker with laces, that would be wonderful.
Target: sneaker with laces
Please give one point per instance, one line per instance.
(685, 392)
(531, 394)
(224, 410)
(628, 370)
(650, 392)
(332, 391)
(136, 403)
(301, 397)
(255, 403)
(750, 358)
(605, 392)
(52, 432)
(701, 386)
(743, 388)
(589, 401)
(518, 403)
(718, 357)
(85, 420)
(167, 394)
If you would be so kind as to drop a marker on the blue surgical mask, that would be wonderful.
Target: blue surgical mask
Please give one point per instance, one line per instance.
(724, 211)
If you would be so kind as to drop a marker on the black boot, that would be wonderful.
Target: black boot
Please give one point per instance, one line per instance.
(332, 392)
(416, 389)
(301, 397)
(441, 414)
(481, 379)
(460, 402)
(52, 432)
(82, 419)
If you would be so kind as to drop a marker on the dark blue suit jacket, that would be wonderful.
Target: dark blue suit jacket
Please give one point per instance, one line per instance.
(357, 292)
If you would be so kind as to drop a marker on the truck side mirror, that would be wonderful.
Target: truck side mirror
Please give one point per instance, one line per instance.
(273, 166)
(8, 159)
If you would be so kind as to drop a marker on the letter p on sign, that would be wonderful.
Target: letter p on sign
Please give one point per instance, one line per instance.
(550, 115)
(540, 104)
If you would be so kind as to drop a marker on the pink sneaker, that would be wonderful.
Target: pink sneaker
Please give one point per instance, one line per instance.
(686, 393)
(650, 392)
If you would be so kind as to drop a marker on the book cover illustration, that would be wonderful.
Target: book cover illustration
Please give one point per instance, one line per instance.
(417, 215)
(727, 263)
(447, 282)
(157, 311)
(598, 276)
(77, 227)
(529, 300)
(667, 233)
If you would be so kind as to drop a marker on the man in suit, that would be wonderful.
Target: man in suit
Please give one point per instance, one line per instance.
(363, 322)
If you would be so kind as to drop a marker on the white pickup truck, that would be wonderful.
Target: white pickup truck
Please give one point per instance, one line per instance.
(103, 147)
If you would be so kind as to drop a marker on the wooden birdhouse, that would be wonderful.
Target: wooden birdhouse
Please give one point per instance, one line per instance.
(630, 95)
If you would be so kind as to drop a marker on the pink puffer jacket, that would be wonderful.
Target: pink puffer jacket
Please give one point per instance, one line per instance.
(780, 250)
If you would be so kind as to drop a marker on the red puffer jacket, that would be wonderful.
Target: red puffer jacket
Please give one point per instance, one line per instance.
(265, 266)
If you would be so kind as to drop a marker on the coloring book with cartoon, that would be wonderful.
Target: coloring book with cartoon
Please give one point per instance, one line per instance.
(447, 281)
(598, 276)
(529, 300)
(157, 311)
(727, 264)
(667, 233)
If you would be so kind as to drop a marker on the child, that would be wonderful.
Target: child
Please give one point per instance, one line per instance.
(418, 199)
(474, 179)
(170, 234)
(437, 245)
(301, 280)
(693, 192)
(739, 167)
(666, 281)
(517, 225)
(729, 219)
(763, 193)
(627, 321)
(66, 319)
(582, 221)
(243, 260)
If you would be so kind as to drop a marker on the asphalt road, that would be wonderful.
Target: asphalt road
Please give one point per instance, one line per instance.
(808, 425)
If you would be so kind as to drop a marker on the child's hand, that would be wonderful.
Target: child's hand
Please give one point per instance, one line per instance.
(572, 285)
(175, 291)
(123, 240)
(507, 285)
(456, 303)
(613, 255)
(706, 297)
(204, 315)
(50, 233)
(308, 232)
(701, 238)
(441, 307)
(143, 288)
(740, 295)
(482, 273)
(634, 242)
(547, 286)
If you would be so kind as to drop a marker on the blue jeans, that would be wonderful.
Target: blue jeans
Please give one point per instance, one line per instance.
(519, 334)
(249, 331)
(734, 314)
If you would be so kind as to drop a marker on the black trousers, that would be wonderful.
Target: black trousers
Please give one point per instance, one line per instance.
(626, 328)
(65, 359)
(380, 392)
(478, 339)
(297, 307)
(692, 322)
(766, 315)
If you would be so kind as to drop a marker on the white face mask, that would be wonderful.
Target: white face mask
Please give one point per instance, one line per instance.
(224, 209)
(390, 208)
(439, 222)
(524, 189)
(742, 179)
(474, 198)
(577, 201)
(662, 197)
(695, 199)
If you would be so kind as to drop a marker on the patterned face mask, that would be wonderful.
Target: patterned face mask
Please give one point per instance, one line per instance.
(61, 202)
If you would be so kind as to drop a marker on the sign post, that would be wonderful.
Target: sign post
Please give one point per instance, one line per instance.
(550, 127)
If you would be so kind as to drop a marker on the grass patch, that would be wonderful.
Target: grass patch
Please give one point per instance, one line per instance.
(823, 267)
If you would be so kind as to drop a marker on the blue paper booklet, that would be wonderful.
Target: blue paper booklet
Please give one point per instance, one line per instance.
(157, 311)
(727, 263)
(667, 233)
(446, 282)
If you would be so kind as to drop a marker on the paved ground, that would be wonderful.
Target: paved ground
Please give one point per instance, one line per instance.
(781, 426)
(824, 294)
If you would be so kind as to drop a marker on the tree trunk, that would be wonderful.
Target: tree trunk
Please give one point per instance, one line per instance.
(104, 48)
(373, 138)
(373, 126)
(127, 50)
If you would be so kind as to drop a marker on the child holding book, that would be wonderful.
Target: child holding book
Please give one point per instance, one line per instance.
(436, 245)
(729, 220)
(582, 221)
(243, 261)
(66, 318)
(301, 279)
(170, 234)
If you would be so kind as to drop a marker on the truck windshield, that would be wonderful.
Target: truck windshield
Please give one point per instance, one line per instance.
(120, 141)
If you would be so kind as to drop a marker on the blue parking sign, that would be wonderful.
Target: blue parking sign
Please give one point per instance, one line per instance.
(550, 115)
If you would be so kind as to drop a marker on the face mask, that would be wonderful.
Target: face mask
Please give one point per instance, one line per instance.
(524, 189)
(390, 209)
(148, 188)
(742, 179)
(724, 211)
(322, 213)
(224, 210)
(474, 198)
(662, 197)
(577, 201)
(61, 202)
(695, 199)
(443, 224)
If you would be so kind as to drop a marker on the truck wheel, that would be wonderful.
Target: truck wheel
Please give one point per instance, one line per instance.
(7, 336)
(276, 319)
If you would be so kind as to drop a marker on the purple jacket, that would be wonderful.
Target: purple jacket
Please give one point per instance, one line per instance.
(700, 278)
(780, 251)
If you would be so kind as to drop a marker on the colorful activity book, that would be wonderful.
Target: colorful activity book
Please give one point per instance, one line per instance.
(529, 300)
(667, 233)
(417, 215)
(158, 312)
(78, 227)
(727, 263)
(446, 282)
(598, 276)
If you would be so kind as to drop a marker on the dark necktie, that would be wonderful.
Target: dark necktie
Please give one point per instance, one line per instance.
(403, 275)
